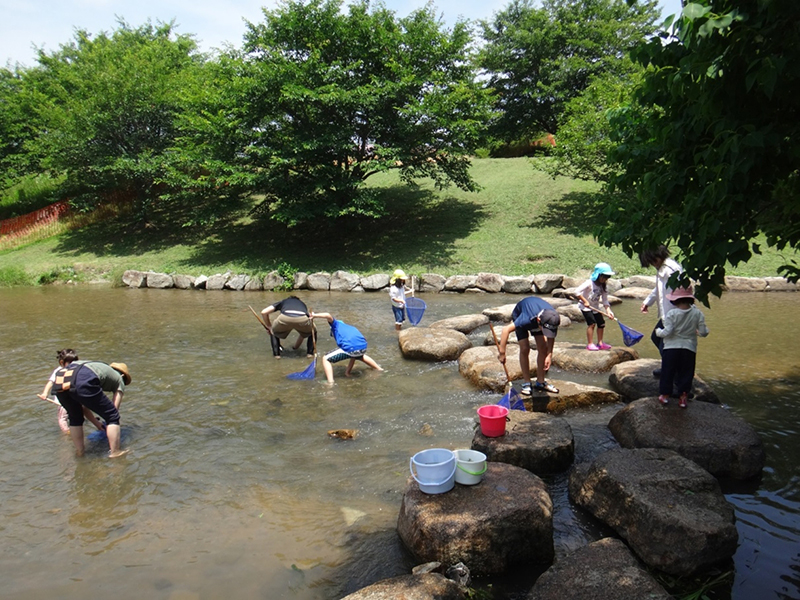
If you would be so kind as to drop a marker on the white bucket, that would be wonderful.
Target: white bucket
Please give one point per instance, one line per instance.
(470, 466)
(436, 470)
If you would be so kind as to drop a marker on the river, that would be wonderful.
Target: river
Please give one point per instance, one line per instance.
(232, 487)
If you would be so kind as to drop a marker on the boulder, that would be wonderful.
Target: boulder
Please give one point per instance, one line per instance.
(539, 443)
(425, 586)
(645, 281)
(424, 343)
(376, 282)
(499, 313)
(489, 282)
(745, 284)
(573, 282)
(634, 379)
(217, 282)
(159, 281)
(708, 434)
(572, 312)
(254, 284)
(518, 285)
(670, 511)
(614, 285)
(134, 279)
(481, 366)
(299, 281)
(237, 282)
(546, 282)
(575, 357)
(504, 521)
(431, 282)
(273, 281)
(459, 283)
(780, 284)
(319, 282)
(343, 281)
(571, 395)
(634, 293)
(603, 570)
(183, 282)
(200, 282)
(462, 323)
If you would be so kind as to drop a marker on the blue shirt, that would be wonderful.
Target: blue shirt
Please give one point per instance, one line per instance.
(347, 337)
(526, 311)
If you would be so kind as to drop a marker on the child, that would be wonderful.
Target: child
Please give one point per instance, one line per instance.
(397, 294)
(591, 294)
(63, 421)
(682, 325)
(350, 343)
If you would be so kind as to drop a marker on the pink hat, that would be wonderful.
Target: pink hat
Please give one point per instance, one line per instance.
(681, 293)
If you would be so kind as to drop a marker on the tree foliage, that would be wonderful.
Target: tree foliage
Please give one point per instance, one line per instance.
(322, 99)
(538, 59)
(713, 163)
(105, 109)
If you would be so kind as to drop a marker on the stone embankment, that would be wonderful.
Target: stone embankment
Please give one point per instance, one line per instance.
(637, 286)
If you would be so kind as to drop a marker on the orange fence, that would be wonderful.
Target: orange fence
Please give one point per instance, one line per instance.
(36, 225)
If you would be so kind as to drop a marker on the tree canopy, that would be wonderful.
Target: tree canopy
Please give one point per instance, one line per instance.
(320, 99)
(537, 59)
(708, 153)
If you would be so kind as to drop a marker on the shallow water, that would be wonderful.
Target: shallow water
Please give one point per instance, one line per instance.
(233, 487)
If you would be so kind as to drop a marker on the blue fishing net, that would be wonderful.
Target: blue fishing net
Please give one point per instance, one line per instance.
(415, 308)
(309, 372)
(630, 336)
(512, 400)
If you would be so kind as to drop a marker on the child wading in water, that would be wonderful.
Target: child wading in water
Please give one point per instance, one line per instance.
(682, 325)
(397, 294)
(591, 294)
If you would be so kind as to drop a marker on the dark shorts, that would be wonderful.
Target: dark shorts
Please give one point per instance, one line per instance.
(86, 391)
(594, 318)
(522, 333)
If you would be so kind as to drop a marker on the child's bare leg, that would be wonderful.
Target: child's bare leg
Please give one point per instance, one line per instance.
(328, 368)
(600, 331)
(76, 433)
(371, 363)
(299, 341)
(349, 368)
(113, 432)
(589, 334)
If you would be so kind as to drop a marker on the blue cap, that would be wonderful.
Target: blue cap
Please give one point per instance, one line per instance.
(601, 269)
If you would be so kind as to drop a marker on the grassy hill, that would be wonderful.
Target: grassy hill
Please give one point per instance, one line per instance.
(522, 222)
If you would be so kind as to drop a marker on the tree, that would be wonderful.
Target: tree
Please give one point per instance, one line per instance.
(713, 163)
(537, 59)
(106, 109)
(321, 100)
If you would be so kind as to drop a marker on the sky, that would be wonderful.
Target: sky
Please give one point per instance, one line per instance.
(26, 24)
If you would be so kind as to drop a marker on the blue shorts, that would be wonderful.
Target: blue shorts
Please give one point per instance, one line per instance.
(339, 355)
(399, 314)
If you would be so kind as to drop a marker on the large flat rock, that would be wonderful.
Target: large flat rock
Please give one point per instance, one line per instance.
(575, 357)
(503, 522)
(602, 570)
(424, 343)
(708, 434)
(425, 586)
(669, 510)
(542, 444)
(634, 379)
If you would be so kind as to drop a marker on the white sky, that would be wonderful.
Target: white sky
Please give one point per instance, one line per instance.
(49, 23)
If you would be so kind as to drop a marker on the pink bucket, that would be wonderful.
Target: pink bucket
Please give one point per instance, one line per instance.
(493, 420)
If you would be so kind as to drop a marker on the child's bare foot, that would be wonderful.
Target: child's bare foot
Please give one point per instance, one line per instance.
(118, 453)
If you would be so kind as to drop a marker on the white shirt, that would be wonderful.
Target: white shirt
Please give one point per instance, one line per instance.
(398, 295)
(594, 294)
(681, 328)
(659, 293)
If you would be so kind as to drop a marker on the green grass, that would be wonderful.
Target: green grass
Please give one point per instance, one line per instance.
(522, 222)
(30, 193)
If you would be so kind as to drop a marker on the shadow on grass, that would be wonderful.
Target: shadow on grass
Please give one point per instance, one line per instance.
(419, 227)
(575, 213)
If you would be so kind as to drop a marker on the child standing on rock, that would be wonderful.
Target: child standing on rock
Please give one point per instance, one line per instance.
(682, 325)
(591, 294)
(397, 294)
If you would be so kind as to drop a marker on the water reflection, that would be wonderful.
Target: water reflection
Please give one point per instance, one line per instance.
(234, 484)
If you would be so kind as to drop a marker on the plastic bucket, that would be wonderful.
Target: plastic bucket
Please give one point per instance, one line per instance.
(470, 466)
(435, 470)
(493, 420)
